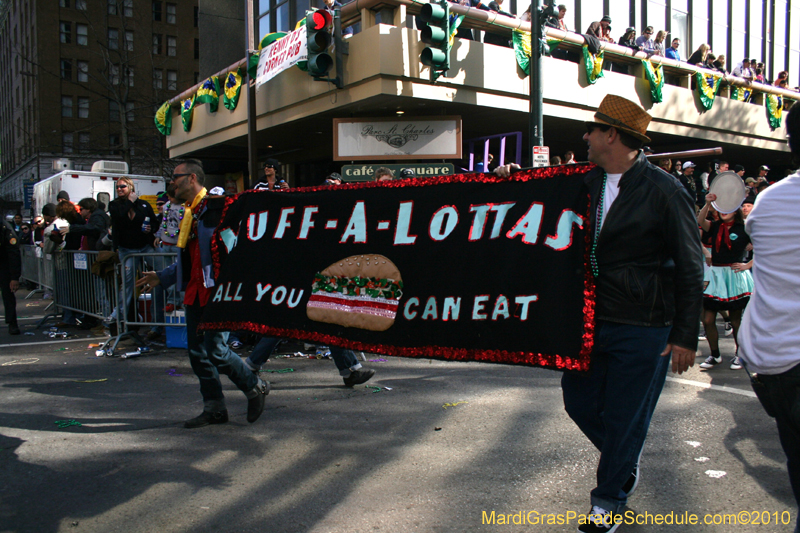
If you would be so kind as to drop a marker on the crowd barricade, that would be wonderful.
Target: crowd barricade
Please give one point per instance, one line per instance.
(77, 288)
(159, 308)
(32, 268)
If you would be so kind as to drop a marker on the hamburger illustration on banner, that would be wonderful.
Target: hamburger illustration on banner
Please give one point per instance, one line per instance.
(361, 291)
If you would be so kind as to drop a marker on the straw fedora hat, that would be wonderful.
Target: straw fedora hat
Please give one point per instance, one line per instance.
(624, 115)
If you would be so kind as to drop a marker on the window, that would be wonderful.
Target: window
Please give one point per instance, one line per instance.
(113, 74)
(66, 69)
(158, 78)
(172, 14)
(129, 115)
(63, 3)
(197, 48)
(129, 76)
(129, 41)
(114, 142)
(172, 80)
(172, 45)
(719, 28)
(66, 106)
(82, 34)
(156, 44)
(83, 107)
(83, 72)
(113, 39)
(113, 111)
(128, 8)
(80, 4)
(112, 7)
(65, 29)
(157, 11)
(66, 142)
(84, 141)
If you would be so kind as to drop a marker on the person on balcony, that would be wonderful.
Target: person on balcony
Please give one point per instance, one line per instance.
(646, 42)
(743, 70)
(628, 39)
(698, 57)
(658, 42)
(672, 52)
(601, 29)
(499, 39)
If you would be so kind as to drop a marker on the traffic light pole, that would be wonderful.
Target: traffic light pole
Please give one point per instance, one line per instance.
(535, 125)
(252, 149)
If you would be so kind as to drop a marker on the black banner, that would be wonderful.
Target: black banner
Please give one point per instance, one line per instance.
(464, 267)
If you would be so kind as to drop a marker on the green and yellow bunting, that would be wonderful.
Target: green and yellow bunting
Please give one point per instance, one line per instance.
(187, 109)
(521, 41)
(593, 64)
(655, 77)
(208, 93)
(707, 87)
(774, 105)
(742, 94)
(455, 22)
(233, 86)
(163, 119)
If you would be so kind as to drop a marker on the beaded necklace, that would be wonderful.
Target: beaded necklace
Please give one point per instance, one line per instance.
(593, 253)
(167, 207)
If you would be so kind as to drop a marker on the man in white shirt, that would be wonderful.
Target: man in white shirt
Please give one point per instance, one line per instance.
(743, 70)
(769, 339)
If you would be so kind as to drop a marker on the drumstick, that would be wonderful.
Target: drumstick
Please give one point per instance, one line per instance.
(687, 154)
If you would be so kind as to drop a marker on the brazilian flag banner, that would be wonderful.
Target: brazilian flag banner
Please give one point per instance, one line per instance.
(521, 41)
(655, 77)
(233, 86)
(774, 105)
(208, 93)
(187, 110)
(707, 87)
(593, 64)
(455, 22)
(163, 119)
(742, 94)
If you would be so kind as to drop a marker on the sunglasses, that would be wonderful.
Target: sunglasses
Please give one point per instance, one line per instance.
(268, 166)
(122, 186)
(159, 204)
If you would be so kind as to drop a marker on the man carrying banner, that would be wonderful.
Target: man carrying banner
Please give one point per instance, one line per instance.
(646, 261)
(208, 352)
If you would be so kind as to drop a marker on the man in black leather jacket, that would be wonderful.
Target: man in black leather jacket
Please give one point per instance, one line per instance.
(647, 262)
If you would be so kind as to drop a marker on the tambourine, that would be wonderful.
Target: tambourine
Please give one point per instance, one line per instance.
(730, 191)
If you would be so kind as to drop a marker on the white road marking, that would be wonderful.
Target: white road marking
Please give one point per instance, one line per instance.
(84, 339)
(721, 388)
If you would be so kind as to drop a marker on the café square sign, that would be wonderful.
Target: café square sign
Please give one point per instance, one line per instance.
(397, 139)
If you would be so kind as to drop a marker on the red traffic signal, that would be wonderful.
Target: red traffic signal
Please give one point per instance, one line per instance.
(319, 20)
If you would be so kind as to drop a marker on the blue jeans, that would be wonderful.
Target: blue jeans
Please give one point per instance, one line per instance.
(210, 356)
(129, 271)
(779, 394)
(613, 403)
(345, 360)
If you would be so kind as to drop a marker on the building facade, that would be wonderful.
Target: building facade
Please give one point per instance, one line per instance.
(84, 78)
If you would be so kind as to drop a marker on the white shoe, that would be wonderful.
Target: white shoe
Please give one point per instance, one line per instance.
(711, 362)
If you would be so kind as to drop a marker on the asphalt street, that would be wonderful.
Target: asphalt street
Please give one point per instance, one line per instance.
(427, 446)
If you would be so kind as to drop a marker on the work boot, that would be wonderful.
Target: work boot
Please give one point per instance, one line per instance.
(256, 399)
(13, 329)
(207, 418)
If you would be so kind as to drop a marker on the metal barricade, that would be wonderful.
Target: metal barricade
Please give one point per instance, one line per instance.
(158, 308)
(32, 267)
(76, 288)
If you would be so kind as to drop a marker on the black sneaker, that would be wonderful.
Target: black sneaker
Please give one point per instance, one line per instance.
(358, 377)
(207, 418)
(13, 329)
(256, 399)
(598, 521)
(630, 486)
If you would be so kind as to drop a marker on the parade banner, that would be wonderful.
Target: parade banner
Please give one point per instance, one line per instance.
(655, 77)
(707, 88)
(774, 104)
(466, 267)
(593, 63)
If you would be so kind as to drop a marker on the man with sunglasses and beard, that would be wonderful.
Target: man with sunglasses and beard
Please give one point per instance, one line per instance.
(209, 354)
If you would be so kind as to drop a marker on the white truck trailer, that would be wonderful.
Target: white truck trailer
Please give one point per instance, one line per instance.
(97, 184)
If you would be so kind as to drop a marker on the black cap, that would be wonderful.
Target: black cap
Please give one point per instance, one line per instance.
(738, 168)
(63, 195)
(162, 197)
(334, 176)
(272, 162)
(49, 210)
(407, 173)
(605, 18)
(749, 200)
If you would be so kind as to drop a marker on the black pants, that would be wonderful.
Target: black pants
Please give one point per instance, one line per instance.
(9, 299)
(779, 394)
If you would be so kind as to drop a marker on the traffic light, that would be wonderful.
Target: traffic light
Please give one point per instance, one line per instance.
(318, 25)
(436, 33)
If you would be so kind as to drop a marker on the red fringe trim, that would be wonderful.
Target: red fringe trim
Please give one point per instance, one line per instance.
(743, 295)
